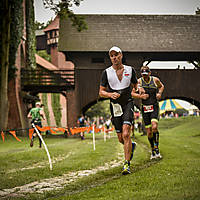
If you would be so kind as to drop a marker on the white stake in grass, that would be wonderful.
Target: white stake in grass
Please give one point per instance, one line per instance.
(93, 137)
(38, 133)
(104, 133)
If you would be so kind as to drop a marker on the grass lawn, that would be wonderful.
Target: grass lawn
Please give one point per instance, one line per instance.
(79, 172)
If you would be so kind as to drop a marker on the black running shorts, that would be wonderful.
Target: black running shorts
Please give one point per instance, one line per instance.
(148, 117)
(127, 116)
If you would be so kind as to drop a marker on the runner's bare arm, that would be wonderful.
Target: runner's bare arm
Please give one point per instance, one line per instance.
(140, 88)
(160, 88)
(42, 114)
(138, 93)
(103, 93)
(29, 115)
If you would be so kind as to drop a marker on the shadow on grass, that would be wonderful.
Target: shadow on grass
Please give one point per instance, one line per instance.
(196, 135)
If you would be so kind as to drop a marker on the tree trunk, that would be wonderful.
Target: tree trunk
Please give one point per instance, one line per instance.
(4, 61)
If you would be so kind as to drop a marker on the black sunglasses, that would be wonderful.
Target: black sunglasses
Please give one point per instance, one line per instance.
(147, 70)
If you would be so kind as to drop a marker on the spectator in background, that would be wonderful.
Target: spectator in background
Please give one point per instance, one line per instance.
(81, 123)
(108, 122)
(101, 122)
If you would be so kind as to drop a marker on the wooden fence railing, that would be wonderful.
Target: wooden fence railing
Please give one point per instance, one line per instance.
(47, 80)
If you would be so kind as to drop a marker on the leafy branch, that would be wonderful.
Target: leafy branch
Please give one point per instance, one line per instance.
(63, 10)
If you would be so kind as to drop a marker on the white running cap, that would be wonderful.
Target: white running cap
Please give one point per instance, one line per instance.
(145, 71)
(116, 49)
(38, 103)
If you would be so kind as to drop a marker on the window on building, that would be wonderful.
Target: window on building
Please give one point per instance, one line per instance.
(48, 35)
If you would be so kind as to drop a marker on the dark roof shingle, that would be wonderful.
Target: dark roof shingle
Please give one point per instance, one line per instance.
(133, 33)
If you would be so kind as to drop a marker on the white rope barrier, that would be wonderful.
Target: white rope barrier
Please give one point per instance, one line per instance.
(104, 133)
(50, 163)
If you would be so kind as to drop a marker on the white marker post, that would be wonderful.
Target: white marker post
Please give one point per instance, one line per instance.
(104, 133)
(108, 134)
(93, 137)
(50, 163)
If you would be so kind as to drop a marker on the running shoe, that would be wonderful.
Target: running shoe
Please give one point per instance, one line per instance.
(153, 155)
(31, 144)
(158, 153)
(126, 169)
(82, 138)
(132, 150)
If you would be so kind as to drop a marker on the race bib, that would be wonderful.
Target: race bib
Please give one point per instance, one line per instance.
(117, 110)
(148, 108)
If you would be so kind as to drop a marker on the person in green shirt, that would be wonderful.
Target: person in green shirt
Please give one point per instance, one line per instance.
(36, 114)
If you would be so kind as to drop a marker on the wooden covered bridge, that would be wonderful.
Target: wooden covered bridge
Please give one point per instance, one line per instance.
(141, 38)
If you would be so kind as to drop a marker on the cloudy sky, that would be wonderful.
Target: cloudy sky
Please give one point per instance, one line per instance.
(123, 7)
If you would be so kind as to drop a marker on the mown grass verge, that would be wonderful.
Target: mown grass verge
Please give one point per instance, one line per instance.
(176, 176)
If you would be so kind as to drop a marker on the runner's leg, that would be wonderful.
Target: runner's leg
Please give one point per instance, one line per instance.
(120, 138)
(127, 141)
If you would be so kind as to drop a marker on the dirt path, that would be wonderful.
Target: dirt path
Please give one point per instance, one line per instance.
(56, 183)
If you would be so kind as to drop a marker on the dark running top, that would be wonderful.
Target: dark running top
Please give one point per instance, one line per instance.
(110, 80)
(151, 89)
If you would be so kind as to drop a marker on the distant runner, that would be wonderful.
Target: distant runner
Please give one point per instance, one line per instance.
(36, 114)
(81, 123)
(150, 107)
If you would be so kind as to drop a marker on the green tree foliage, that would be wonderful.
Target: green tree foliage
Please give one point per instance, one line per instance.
(41, 26)
(198, 63)
(15, 34)
(16, 27)
(64, 11)
(198, 11)
(55, 102)
(4, 61)
(44, 54)
(12, 16)
(30, 35)
(10, 34)
(46, 110)
(101, 108)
